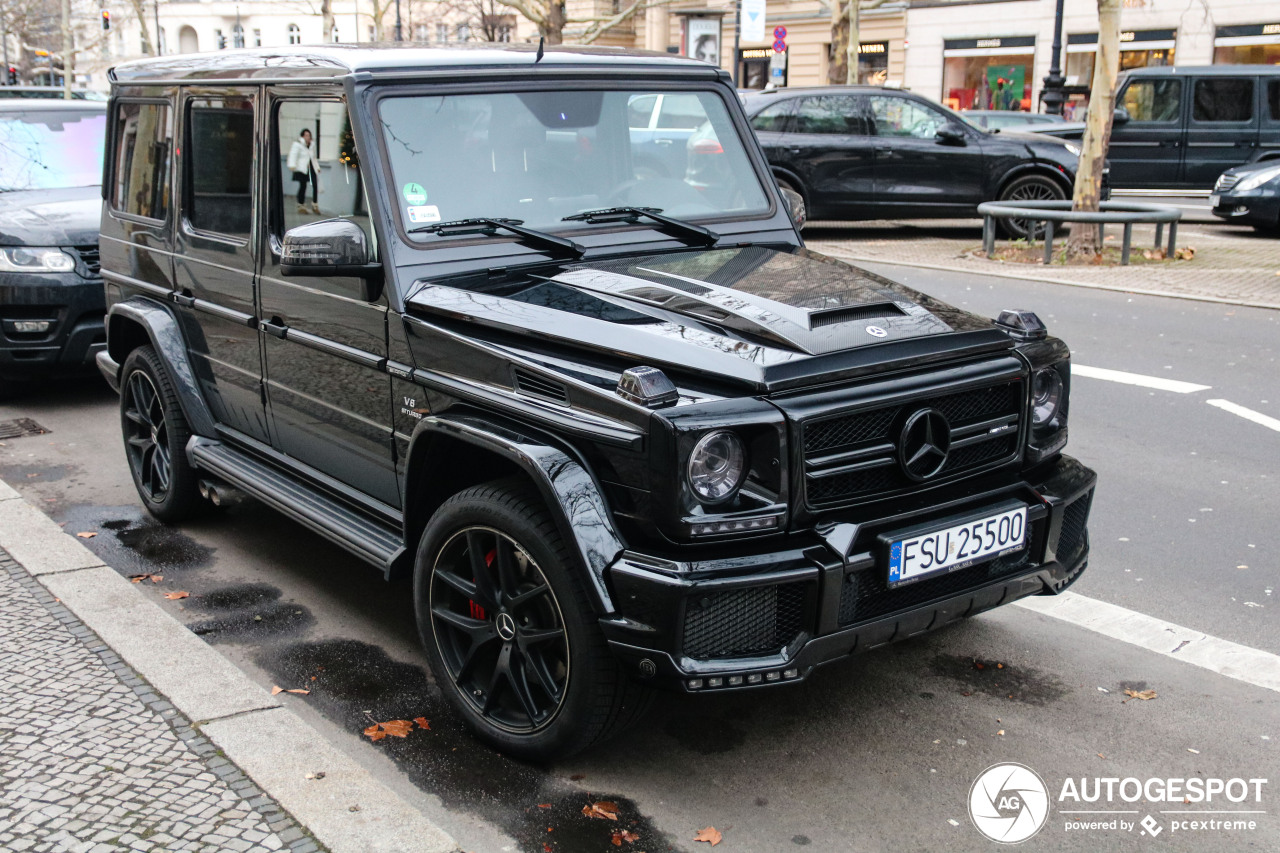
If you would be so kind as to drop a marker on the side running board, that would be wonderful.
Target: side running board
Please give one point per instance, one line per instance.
(370, 539)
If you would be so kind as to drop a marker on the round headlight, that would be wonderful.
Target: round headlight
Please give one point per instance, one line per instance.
(716, 467)
(1046, 396)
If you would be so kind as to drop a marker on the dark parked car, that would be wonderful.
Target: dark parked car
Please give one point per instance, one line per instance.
(862, 152)
(622, 431)
(1011, 119)
(1250, 195)
(51, 302)
(1180, 127)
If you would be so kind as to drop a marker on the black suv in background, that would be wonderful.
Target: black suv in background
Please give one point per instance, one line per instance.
(864, 152)
(51, 303)
(621, 430)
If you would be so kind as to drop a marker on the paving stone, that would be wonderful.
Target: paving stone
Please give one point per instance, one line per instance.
(90, 760)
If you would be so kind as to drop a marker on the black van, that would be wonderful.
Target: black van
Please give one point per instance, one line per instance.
(1179, 128)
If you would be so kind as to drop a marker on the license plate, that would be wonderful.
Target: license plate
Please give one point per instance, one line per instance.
(956, 547)
(1215, 200)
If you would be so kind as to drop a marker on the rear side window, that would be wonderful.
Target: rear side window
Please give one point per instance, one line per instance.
(219, 160)
(838, 114)
(144, 138)
(640, 110)
(1273, 99)
(772, 118)
(1154, 100)
(1223, 99)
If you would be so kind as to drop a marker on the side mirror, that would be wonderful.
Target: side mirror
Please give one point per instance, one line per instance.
(331, 247)
(795, 206)
(1121, 116)
(950, 134)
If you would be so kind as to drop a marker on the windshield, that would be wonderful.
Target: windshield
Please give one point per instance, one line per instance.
(51, 149)
(538, 157)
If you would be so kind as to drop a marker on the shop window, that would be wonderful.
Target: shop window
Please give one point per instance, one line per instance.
(144, 138)
(295, 34)
(772, 119)
(988, 82)
(903, 117)
(1223, 99)
(842, 114)
(1153, 100)
(219, 156)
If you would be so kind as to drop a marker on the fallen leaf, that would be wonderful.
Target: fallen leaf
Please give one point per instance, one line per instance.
(710, 834)
(544, 805)
(546, 848)
(1186, 253)
(397, 728)
(1144, 695)
(999, 666)
(157, 578)
(174, 596)
(1100, 755)
(375, 732)
(87, 535)
(603, 810)
(621, 835)
(298, 690)
(1193, 751)
(319, 775)
(422, 723)
(276, 690)
(1000, 733)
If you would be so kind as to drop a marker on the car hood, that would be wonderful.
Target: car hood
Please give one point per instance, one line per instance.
(773, 318)
(62, 217)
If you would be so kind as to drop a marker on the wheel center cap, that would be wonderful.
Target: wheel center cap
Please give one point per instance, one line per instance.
(506, 626)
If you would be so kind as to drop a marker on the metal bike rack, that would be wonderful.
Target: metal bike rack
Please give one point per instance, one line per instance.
(1054, 212)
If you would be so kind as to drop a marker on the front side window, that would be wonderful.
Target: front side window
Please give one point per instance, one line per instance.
(144, 140)
(1153, 100)
(219, 158)
(1223, 99)
(541, 156)
(903, 117)
(773, 118)
(51, 149)
(838, 114)
(318, 174)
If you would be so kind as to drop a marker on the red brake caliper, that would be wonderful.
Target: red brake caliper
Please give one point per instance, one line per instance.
(477, 612)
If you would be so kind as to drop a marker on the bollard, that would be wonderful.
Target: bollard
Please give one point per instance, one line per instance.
(988, 235)
(1173, 238)
(1159, 235)
(1124, 250)
(1048, 242)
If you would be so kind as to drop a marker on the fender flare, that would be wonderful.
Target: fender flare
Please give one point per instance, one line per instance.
(166, 337)
(567, 487)
(1035, 167)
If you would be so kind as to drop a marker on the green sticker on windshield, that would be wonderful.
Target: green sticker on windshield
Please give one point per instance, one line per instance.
(414, 194)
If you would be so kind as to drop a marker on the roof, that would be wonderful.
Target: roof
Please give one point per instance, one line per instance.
(1205, 70)
(339, 60)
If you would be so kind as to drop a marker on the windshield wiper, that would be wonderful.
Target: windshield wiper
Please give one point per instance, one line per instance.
(528, 236)
(678, 228)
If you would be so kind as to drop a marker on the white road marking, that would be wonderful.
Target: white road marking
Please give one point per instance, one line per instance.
(1157, 382)
(1247, 414)
(1252, 666)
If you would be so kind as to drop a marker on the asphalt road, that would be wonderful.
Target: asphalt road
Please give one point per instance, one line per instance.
(875, 753)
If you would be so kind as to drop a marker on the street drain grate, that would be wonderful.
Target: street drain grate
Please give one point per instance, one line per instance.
(20, 427)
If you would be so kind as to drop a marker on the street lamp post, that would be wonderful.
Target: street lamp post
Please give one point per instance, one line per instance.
(1053, 96)
(399, 33)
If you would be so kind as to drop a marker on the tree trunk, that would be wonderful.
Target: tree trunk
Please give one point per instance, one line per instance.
(326, 17)
(68, 50)
(1097, 132)
(138, 10)
(553, 29)
(844, 28)
(853, 43)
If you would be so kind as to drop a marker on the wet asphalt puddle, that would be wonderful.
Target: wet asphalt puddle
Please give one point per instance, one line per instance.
(354, 684)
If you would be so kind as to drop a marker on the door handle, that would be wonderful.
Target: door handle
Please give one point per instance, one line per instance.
(274, 327)
(795, 149)
(185, 299)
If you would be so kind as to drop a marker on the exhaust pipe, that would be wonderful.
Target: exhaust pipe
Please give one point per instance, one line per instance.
(220, 494)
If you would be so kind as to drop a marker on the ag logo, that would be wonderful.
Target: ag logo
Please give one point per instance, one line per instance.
(1009, 803)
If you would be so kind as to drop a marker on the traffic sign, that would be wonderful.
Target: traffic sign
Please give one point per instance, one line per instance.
(779, 32)
(779, 46)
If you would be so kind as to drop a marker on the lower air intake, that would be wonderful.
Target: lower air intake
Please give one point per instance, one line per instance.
(739, 622)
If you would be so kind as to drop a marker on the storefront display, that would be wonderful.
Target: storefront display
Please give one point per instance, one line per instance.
(1249, 44)
(988, 73)
(873, 63)
(1138, 49)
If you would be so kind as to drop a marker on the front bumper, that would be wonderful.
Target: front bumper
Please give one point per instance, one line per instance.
(768, 619)
(1253, 209)
(73, 307)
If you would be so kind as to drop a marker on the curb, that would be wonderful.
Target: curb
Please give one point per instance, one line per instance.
(1042, 280)
(272, 746)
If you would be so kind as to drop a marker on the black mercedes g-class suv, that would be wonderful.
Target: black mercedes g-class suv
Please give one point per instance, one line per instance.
(622, 430)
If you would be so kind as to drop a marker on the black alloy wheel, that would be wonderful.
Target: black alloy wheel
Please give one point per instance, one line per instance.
(499, 629)
(510, 629)
(155, 438)
(1029, 188)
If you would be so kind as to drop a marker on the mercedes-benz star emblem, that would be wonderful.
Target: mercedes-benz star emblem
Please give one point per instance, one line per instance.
(876, 332)
(506, 626)
(925, 442)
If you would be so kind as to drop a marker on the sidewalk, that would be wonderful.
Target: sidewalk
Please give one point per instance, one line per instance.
(121, 730)
(1232, 263)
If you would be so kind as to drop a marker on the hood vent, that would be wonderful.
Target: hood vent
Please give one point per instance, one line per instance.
(875, 311)
(532, 385)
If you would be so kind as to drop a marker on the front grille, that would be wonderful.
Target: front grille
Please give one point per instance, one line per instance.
(89, 257)
(1225, 182)
(865, 595)
(855, 455)
(1073, 535)
(747, 621)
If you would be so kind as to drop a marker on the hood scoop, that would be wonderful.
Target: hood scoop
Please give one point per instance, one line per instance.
(832, 316)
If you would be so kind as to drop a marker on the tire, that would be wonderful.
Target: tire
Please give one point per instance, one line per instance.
(155, 439)
(1029, 188)
(535, 679)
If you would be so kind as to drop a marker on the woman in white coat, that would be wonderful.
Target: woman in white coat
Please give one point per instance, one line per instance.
(306, 169)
